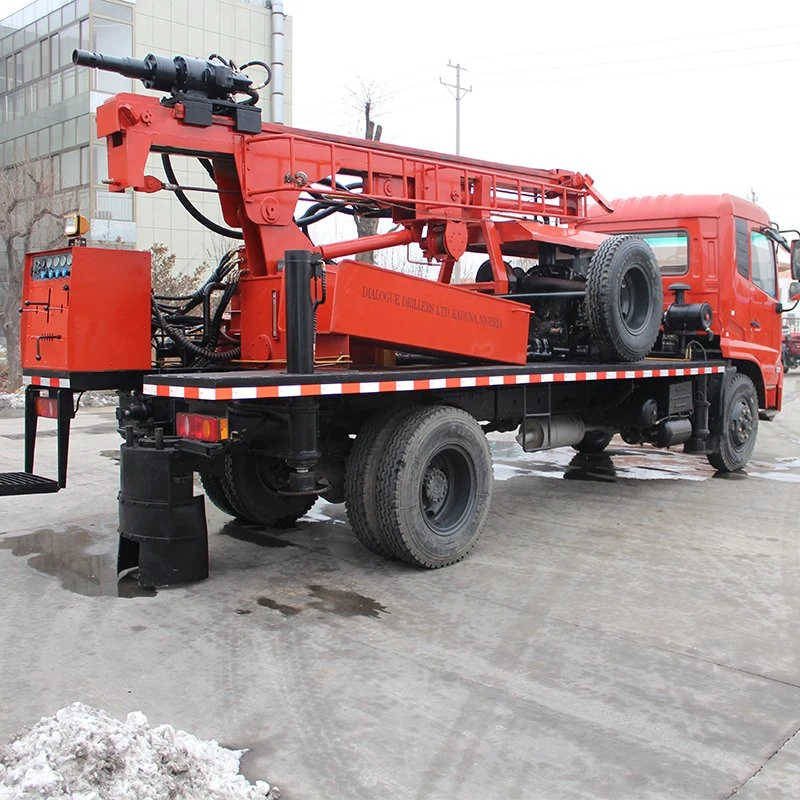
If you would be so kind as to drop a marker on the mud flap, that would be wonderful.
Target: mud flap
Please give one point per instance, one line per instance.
(162, 525)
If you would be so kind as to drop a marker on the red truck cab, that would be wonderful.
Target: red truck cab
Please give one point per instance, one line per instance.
(720, 247)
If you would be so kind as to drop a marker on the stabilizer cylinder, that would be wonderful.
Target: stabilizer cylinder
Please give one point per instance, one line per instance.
(162, 525)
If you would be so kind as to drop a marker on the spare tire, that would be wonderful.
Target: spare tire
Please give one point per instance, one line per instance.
(624, 299)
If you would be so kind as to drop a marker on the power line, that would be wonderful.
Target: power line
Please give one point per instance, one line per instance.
(459, 92)
(564, 79)
(644, 60)
(608, 45)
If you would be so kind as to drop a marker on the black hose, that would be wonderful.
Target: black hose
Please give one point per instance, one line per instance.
(187, 204)
(208, 167)
(179, 338)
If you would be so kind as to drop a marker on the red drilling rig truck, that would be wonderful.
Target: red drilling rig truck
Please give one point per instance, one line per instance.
(297, 371)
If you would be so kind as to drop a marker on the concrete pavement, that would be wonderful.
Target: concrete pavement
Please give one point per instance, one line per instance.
(628, 627)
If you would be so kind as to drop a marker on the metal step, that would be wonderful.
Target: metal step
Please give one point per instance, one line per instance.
(17, 483)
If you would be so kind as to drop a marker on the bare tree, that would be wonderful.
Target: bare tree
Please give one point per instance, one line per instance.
(367, 98)
(30, 213)
(166, 280)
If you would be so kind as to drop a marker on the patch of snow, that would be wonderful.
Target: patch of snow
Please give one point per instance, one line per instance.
(12, 399)
(316, 513)
(785, 477)
(99, 399)
(83, 753)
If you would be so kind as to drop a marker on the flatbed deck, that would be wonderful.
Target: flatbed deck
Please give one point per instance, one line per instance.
(257, 384)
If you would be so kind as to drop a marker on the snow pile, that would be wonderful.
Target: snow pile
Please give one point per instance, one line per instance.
(99, 399)
(12, 399)
(84, 754)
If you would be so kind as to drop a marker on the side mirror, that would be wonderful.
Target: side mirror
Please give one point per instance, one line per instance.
(794, 290)
(795, 259)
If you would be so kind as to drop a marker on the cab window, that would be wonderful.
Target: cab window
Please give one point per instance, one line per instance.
(762, 260)
(742, 250)
(671, 249)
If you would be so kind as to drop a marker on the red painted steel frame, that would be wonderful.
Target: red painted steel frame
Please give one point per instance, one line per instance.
(446, 204)
(263, 176)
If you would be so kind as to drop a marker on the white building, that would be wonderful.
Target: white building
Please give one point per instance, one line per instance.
(47, 106)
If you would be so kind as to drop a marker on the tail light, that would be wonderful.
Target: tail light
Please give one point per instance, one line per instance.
(202, 427)
(47, 407)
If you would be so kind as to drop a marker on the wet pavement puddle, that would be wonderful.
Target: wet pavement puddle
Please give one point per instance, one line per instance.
(83, 561)
(341, 602)
(627, 462)
(254, 534)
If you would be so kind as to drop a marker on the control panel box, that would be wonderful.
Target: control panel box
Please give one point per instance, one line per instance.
(86, 316)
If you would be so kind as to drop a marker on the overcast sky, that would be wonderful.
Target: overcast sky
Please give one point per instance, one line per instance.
(647, 97)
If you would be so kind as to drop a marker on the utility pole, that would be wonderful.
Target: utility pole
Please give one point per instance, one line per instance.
(459, 92)
(752, 197)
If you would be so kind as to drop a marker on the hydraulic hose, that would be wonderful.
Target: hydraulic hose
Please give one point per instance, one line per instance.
(187, 204)
(178, 336)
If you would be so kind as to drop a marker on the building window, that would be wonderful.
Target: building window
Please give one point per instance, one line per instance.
(111, 37)
(70, 39)
(70, 169)
(84, 166)
(100, 163)
(56, 137)
(70, 132)
(44, 56)
(113, 205)
(43, 92)
(68, 78)
(115, 10)
(55, 88)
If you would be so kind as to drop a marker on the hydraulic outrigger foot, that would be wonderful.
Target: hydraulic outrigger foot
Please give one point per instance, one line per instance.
(162, 525)
(53, 403)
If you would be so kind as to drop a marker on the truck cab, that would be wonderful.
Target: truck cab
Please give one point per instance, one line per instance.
(722, 250)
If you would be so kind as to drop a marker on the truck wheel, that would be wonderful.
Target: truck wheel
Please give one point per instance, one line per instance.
(624, 298)
(214, 487)
(733, 445)
(594, 442)
(361, 479)
(251, 483)
(434, 486)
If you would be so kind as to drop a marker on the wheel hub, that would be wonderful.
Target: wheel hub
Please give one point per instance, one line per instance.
(741, 425)
(435, 486)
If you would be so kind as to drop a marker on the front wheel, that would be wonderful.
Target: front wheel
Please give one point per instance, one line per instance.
(733, 445)
(434, 486)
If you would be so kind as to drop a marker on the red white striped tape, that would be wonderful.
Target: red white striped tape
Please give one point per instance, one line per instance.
(51, 383)
(419, 384)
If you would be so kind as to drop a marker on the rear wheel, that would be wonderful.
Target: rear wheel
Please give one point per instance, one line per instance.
(361, 479)
(434, 486)
(594, 442)
(214, 487)
(251, 484)
(733, 445)
(624, 298)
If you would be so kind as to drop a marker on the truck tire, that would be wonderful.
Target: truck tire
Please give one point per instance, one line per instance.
(214, 487)
(361, 478)
(434, 486)
(732, 447)
(594, 442)
(251, 483)
(624, 299)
